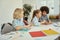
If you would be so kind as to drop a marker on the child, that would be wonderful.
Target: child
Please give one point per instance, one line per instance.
(44, 18)
(36, 16)
(18, 19)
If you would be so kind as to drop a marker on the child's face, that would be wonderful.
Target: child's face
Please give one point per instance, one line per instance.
(44, 13)
(39, 14)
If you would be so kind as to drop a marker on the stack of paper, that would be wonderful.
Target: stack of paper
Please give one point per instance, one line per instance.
(50, 32)
(37, 34)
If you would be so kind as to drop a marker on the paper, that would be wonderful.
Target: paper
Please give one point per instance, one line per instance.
(50, 32)
(37, 34)
(37, 39)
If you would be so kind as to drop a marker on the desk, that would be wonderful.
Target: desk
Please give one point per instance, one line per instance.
(24, 35)
(46, 27)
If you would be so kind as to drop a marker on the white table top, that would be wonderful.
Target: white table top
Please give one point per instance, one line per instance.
(24, 35)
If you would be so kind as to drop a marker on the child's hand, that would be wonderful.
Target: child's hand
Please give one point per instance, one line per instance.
(44, 22)
(18, 28)
(30, 24)
(50, 22)
(28, 27)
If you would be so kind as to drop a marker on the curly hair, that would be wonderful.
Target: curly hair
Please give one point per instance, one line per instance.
(44, 8)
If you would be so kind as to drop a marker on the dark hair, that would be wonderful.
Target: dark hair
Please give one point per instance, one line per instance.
(25, 18)
(34, 13)
(44, 8)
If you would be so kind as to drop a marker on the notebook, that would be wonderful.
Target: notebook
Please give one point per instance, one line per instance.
(37, 34)
(50, 32)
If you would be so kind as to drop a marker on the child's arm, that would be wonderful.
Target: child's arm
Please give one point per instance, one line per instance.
(26, 23)
(44, 22)
(28, 26)
(20, 27)
(49, 21)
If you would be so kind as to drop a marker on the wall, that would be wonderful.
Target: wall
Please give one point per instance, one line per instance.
(59, 6)
(56, 6)
(52, 4)
(7, 8)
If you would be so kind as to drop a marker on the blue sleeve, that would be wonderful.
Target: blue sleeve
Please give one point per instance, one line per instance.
(47, 18)
(35, 22)
(15, 23)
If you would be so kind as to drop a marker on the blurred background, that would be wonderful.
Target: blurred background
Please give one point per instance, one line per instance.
(7, 8)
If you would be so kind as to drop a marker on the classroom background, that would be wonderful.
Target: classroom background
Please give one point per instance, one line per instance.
(7, 7)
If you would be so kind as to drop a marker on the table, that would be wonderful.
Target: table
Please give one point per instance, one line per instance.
(24, 35)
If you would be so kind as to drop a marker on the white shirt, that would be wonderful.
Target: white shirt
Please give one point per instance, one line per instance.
(35, 21)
